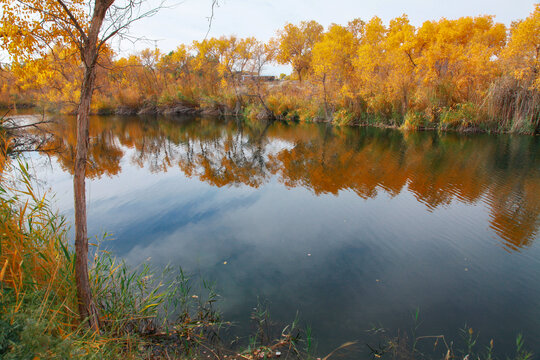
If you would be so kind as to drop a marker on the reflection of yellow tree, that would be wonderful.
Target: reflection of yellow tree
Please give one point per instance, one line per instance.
(435, 169)
(514, 213)
(231, 158)
(104, 154)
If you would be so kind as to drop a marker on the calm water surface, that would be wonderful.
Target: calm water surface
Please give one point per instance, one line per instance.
(351, 227)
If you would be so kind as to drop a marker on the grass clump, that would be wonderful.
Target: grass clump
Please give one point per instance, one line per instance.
(414, 345)
(468, 117)
(459, 116)
(415, 120)
(343, 117)
(37, 296)
(514, 104)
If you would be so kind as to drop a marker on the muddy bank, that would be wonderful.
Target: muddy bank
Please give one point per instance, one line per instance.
(177, 109)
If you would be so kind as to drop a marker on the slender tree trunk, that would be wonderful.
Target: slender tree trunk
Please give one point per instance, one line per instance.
(239, 102)
(89, 55)
(269, 112)
(257, 82)
(325, 98)
(87, 308)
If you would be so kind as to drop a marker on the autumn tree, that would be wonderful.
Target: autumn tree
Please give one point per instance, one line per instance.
(332, 63)
(515, 97)
(176, 70)
(356, 27)
(296, 44)
(261, 55)
(29, 28)
(54, 79)
(206, 65)
(456, 62)
(401, 56)
(233, 55)
(371, 64)
(135, 80)
(522, 54)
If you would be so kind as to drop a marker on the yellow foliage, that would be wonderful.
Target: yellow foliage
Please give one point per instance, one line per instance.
(523, 51)
(296, 44)
(366, 67)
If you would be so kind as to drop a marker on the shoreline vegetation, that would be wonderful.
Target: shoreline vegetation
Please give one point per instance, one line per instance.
(468, 74)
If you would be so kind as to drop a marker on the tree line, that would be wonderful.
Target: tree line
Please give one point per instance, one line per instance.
(471, 72)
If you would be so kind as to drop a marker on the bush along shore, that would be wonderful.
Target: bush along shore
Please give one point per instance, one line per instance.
(466, 117)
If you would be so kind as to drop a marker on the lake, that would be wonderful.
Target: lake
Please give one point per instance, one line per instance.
(353, 228)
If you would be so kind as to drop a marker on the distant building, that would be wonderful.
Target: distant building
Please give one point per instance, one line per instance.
(246, 75)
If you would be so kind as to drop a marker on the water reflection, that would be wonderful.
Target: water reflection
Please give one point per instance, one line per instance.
(502, 172)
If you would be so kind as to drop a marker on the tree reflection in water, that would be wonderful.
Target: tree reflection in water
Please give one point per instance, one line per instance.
(499, 170)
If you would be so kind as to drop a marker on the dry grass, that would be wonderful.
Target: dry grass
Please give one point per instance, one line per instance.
(33, 254)
(514, 104)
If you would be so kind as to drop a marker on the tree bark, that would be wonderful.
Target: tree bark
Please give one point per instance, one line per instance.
(87, 308)
(89, 55)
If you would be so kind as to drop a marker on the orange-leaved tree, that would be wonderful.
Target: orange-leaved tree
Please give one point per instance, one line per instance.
(517, 95)
(30, 28)
(296, 44)
(332, 63)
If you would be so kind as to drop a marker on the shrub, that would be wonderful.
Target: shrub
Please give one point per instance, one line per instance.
(414, 120)
(460, 116)
(283, 106)
(343, 117)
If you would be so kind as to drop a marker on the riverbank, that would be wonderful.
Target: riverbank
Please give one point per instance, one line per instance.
(462, 118)
(469, 74)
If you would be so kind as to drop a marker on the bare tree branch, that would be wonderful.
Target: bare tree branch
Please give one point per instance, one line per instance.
(211, 18)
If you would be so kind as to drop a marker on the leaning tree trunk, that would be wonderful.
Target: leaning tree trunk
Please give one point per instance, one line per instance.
(87, 308)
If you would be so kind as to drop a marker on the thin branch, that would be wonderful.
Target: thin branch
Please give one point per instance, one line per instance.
(410, 58)
(12, 125)
(124, 20)
(18, 127)
(73, 19)
(211, 18)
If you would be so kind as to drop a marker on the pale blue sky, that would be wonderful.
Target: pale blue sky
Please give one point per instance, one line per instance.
(261, 18)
